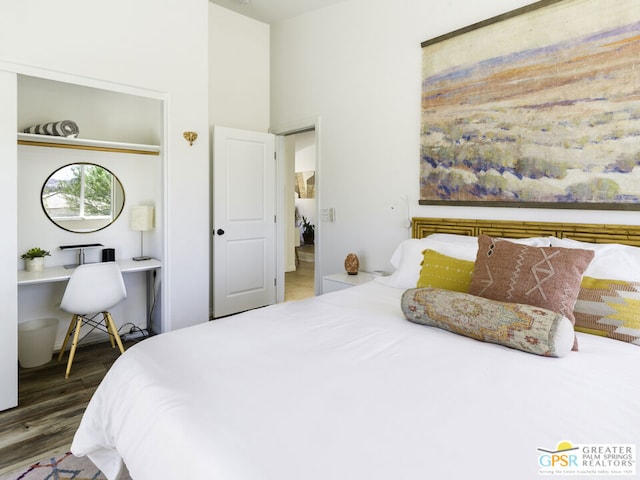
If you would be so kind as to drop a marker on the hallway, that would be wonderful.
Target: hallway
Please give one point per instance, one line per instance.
(299, 284)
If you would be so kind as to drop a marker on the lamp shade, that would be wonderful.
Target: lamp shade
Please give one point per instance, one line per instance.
(142, 218)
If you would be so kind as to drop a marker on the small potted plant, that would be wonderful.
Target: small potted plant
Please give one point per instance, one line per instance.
(308, 231)
(34, 259)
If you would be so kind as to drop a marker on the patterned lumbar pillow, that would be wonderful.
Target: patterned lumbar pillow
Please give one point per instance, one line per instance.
(442, 271)
(524, 327)
(610, 308)
(547, 277)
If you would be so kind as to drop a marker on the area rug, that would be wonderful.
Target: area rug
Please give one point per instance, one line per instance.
(63, 466)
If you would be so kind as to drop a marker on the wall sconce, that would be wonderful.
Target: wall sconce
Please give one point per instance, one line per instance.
(142, 220)
(190, 137)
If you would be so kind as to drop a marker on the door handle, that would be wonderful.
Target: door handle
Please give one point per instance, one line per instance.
(220, 231)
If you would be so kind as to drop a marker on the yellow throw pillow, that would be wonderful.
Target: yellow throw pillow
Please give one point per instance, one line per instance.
(447, 273)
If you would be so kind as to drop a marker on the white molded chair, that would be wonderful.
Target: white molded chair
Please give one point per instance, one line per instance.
(92, 290)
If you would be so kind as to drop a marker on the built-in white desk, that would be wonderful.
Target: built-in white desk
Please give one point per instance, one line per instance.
(60, 274)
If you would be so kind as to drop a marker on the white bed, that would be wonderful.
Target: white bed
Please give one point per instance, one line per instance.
(342, 386)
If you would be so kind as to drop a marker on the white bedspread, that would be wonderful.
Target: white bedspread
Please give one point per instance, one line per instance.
(342, 387)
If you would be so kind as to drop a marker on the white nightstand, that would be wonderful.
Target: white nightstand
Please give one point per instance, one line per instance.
(340, 281)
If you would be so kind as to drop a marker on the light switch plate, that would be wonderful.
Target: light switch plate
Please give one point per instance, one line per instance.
(328, 215)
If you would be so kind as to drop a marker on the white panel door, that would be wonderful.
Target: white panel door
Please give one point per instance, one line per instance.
(244, 221)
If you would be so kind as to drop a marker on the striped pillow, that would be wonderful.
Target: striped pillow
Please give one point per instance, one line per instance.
(610, 308)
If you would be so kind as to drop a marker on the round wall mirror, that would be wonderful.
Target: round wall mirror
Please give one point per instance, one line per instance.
(82, 197)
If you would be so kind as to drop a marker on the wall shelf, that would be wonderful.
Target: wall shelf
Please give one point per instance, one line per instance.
(86, 144)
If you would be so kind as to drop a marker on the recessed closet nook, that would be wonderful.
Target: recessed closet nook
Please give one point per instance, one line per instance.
(118, 131)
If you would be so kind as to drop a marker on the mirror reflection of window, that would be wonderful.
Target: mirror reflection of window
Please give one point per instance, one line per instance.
(82, 197)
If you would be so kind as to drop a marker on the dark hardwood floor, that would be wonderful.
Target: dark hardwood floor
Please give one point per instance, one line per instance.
(49, 406)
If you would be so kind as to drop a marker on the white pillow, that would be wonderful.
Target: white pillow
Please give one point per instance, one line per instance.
(611, 261)
(459, 246)
(407, 258)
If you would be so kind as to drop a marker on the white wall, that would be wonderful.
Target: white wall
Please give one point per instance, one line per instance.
(8, 243)
(100, 114)
(291, 231)
(238, 70)
(138, 173)
(357, 64)
(305, 161)
(150, 48)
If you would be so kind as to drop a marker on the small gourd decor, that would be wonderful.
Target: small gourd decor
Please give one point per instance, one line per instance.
(352, 264)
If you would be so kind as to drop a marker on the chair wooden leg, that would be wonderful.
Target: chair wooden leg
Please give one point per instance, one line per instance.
(74, 344)
(107, 323)
(114, 331)
(73, 321)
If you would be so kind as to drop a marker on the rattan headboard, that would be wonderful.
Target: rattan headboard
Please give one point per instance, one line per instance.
(594, 233)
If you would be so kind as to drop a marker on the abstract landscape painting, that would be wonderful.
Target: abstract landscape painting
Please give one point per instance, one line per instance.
(541, 109)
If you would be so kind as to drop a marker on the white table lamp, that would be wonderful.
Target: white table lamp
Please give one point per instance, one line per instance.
(142, 220)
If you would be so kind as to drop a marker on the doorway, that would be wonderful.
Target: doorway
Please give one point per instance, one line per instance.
(300, 204)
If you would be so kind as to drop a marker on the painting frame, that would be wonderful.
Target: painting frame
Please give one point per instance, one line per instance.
(557, 159)
(305, 184)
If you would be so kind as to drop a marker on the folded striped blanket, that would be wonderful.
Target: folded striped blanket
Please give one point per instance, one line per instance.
(63, 128)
